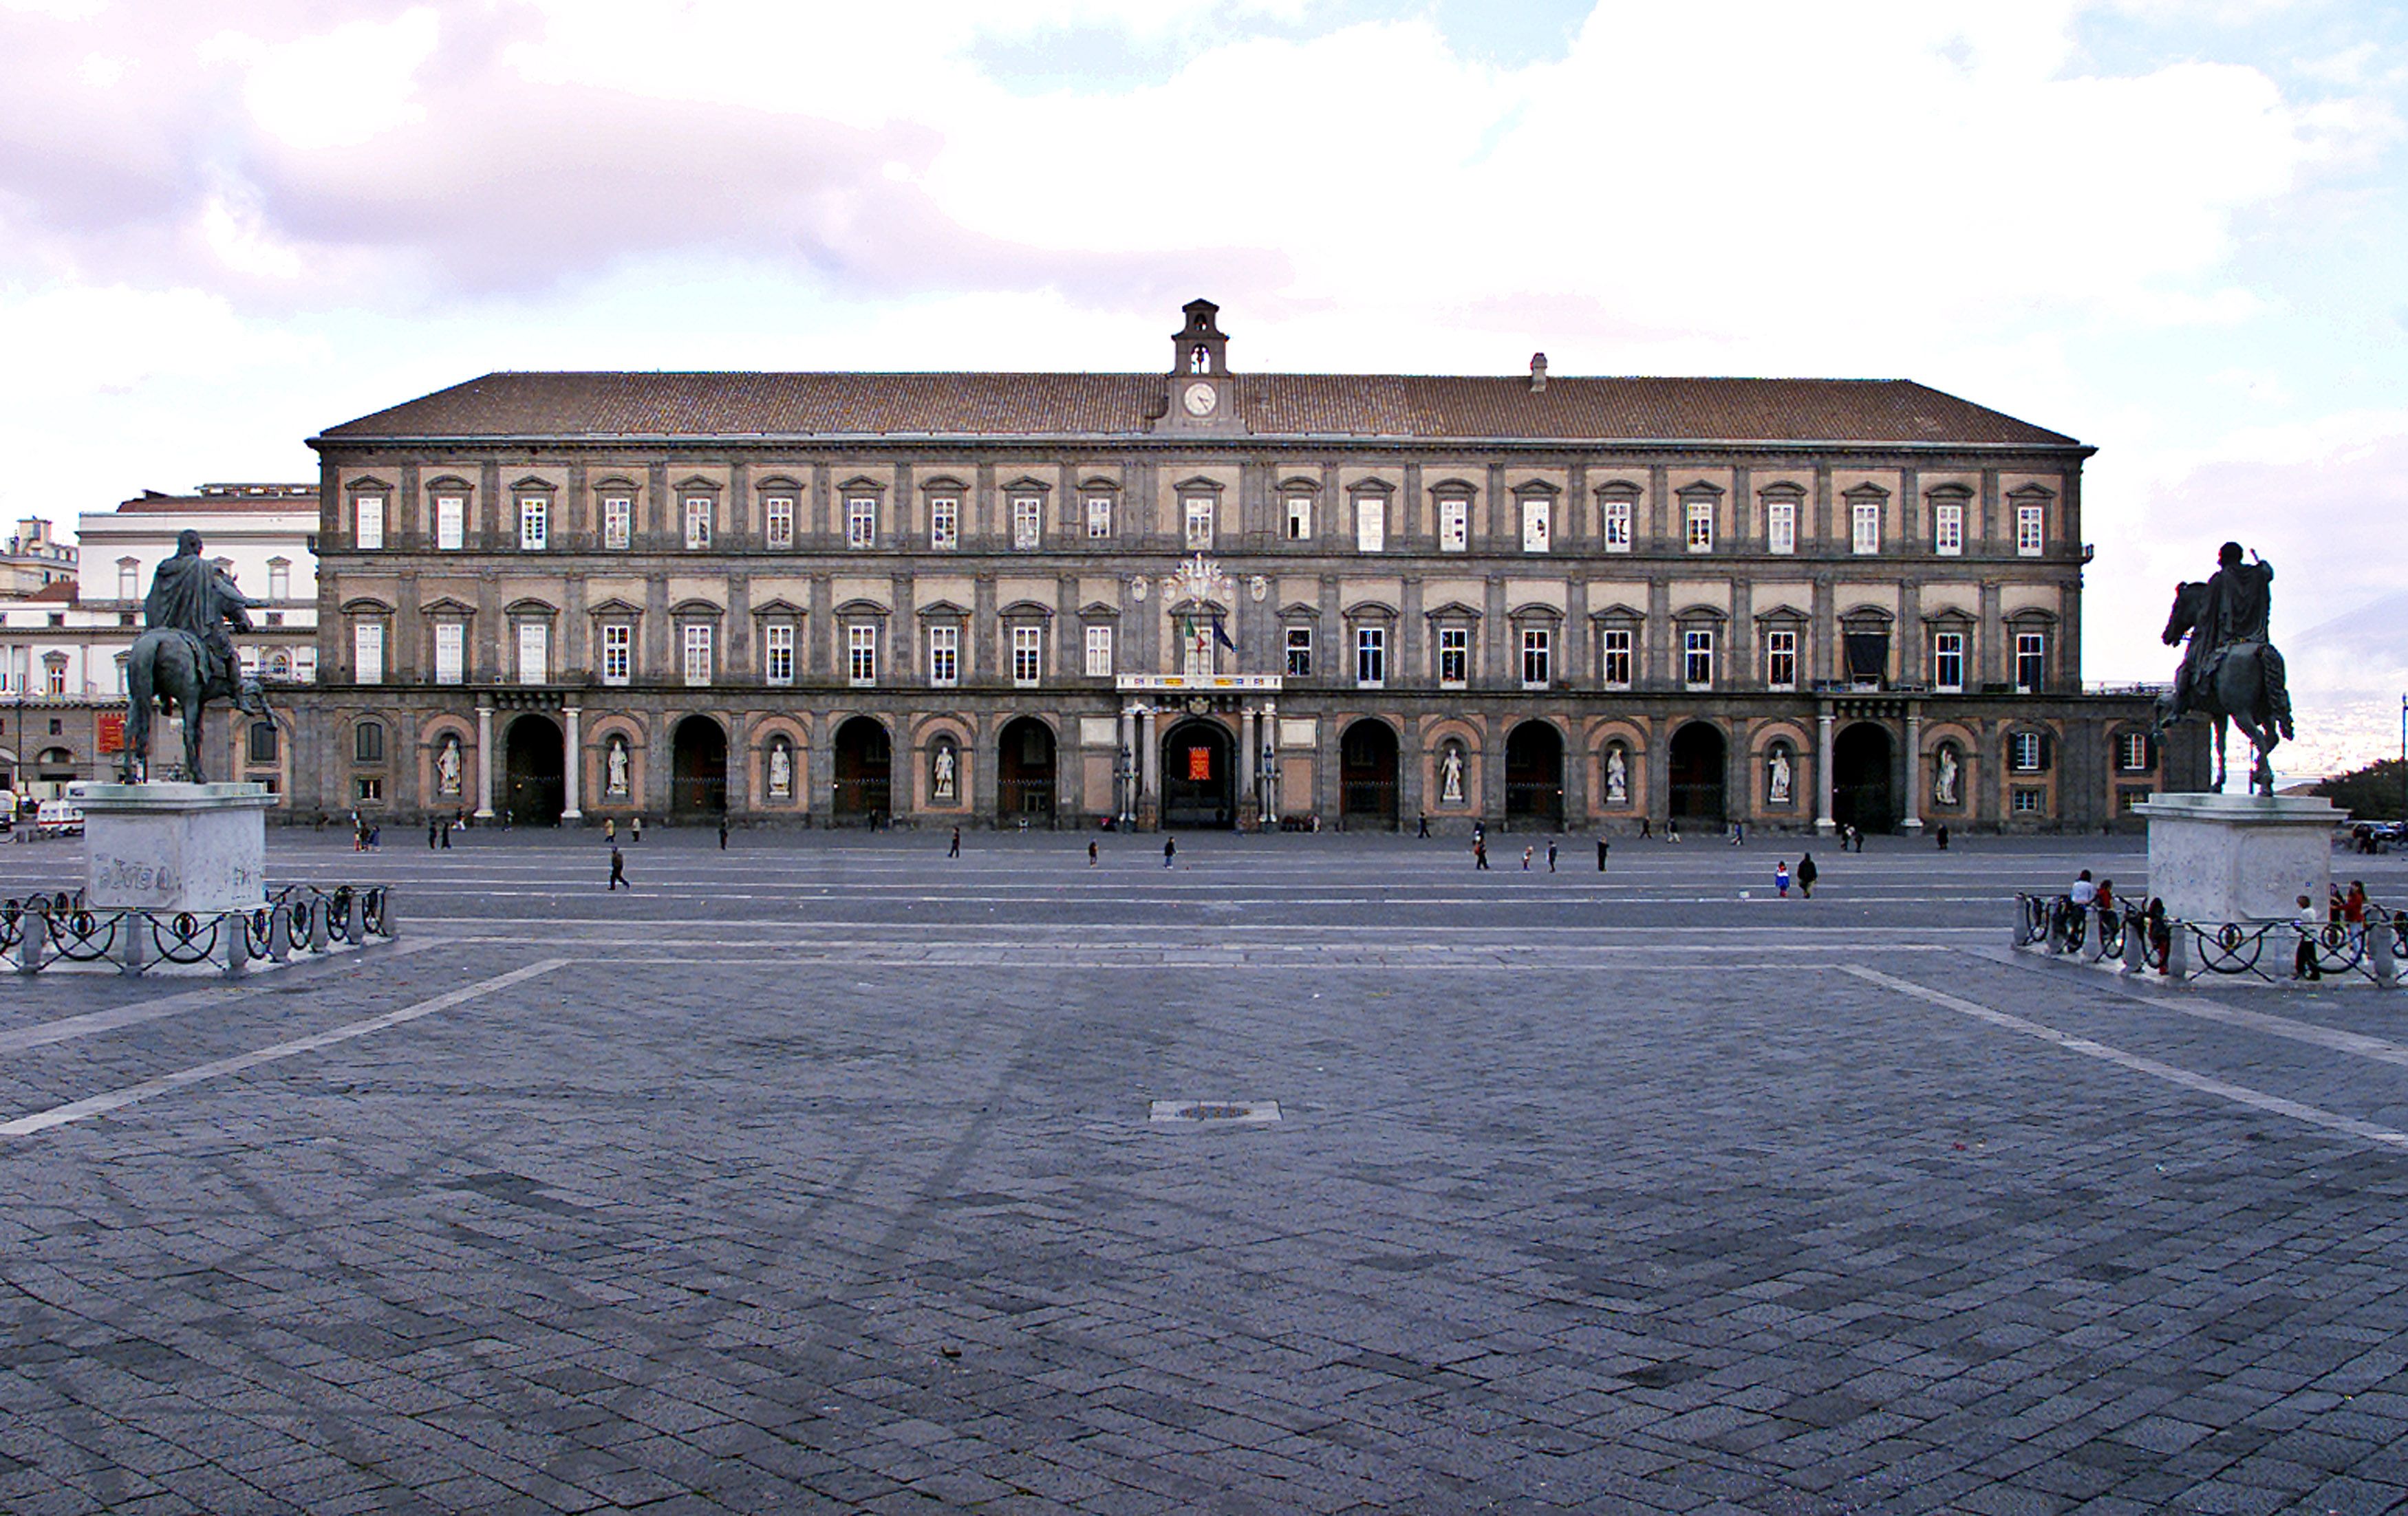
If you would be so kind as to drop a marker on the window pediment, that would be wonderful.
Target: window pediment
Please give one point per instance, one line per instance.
(778, 485)
(1295, 485)
(1199, 485)
(1535, 490)
(1864, 493)
(615, 606)
(529, 606)
(368, 484)
(1617, 490)
(1026, 484)
(863, 484)
(1699, 615)
(1300, 611)
(1452, 610)
(614, 484)
(1453, 488)
(696, 609)
(1699, 489)
(941, 611)
(1618, 611)
(942, 484)
(445, 604)
(1868, 616)
(696, 484)
(1096, 610)
(1784, 611)
(448, 485)
(366, 605)
(1023, 610)
(780, 607)
(1370, 611)
(858, 608)
(1956, 494)
(530, 484)
(2031, 495)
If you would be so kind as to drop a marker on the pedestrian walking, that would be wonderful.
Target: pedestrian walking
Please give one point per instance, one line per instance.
(2353, 913)
(1170, 850)
(1643, 831)
(1478, 830)
(447, 840)
(955, 851)
(636, 829)
(618, 868)
(433, 826)
(1551, 856)
(376, 836)
(1091, 852)
(1673, 831)
(1526, 852)
(2304, 958)
(1940, 836)
(1781, 878)
(610, 830)
(1806, 874)
(1739, 836)
(723, 834)
(1425, 831)
(1603, 847)
(1480, 852)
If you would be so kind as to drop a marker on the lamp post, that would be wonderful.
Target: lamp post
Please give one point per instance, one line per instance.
(2403, 760)
(1125, 784)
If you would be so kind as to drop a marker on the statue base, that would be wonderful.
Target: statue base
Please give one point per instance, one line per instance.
(172, 846)
(2216, 858)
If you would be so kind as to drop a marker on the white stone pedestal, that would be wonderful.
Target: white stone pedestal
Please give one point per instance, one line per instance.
(166, 847)
(2216, 858)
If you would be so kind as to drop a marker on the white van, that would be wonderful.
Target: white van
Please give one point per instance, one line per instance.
(59, 818)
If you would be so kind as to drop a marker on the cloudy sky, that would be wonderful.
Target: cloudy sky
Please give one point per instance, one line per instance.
(2177, 230)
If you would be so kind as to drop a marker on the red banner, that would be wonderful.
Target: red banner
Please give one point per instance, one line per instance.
(112, 731)
(1199, 763)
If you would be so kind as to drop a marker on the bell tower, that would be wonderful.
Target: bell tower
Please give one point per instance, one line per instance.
(1202, 394)
(1199, 347)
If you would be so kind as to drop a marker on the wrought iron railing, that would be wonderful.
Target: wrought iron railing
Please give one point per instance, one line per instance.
(298, 919)
(2179, 950)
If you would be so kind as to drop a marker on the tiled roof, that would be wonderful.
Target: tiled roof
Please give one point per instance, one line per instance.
(1404, 406)
(61, 591)
(291, 498)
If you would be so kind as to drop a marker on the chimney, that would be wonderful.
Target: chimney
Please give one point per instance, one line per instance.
(1538, 372)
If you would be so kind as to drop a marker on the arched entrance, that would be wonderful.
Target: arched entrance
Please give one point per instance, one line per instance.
(698, 769)
(1199, 776)
(1024, 771)
(1861, 760)
(1701, 771)
(1367, 776)
(1534, 775)
(534, 772)
(864, 761)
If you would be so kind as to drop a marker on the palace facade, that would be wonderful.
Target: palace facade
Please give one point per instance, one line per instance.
(1204, 597)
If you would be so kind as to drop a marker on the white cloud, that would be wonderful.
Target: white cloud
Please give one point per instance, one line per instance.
(336, 89)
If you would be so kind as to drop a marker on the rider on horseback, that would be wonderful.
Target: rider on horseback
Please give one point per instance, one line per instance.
(2239, 599)
(192, 596)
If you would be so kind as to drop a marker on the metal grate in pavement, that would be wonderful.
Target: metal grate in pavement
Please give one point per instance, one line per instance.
(1213, 1113)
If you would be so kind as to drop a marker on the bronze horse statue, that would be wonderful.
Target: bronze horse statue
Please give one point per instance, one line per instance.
(165, 669)
(2236, 684)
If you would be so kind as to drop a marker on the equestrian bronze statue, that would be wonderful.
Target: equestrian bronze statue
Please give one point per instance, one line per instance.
(186, 658)
(2230, 669)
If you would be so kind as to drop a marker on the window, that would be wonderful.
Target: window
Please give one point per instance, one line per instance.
(2032, 660)
(450, 520)
(535, 522)
(2025, 802)
(1697, 657)
(1371, 523)
(368, 742)
(2133, 753)
(1100, 516)
(777, 520)
(280, 579)
(535, 652)
(1534, 514)
(304, 665)
(263, 743)
(367, 521)
(698, 511)
(1537, 664)
(369, 788)
(778, 653)
(1781, 659)
(1617, 525)
(1948, 528)
(1454, 656)
(944, 522)
(1370, 656)
(944, 655)
(861, 521)
(1867, 516)
(618, 521)
(2031, 528)
(1299, 652)
(1701, 525)
(2027, 753)
(617, 652)
(1200, 520)
(1454, 525)
(1299, 517)
(1948, 661)
(451, 651)
(1613, 658)
(54, 675)
(1099, 652)
(861, 641)
(1028, 520)
(1027, 655)
(1781, 526)
(129, 580)
(697, 653)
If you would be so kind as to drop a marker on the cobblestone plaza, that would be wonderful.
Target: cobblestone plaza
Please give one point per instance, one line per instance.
(821, 1175)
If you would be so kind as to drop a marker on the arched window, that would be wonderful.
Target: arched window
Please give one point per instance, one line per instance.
(368, 742)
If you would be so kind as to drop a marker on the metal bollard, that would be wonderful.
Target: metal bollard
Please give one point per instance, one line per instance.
(279, 932)
(2380, 954)
(2177, 953)
(135, 926)
(2094, 942)
(355, 919)
(236, 925)
(317, 924)
(385, 917)
(35, 937)
(2135, 945)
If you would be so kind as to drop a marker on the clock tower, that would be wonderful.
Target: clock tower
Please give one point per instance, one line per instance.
(1202, 395)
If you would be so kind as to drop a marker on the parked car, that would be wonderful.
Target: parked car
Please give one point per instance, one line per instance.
(59, 818)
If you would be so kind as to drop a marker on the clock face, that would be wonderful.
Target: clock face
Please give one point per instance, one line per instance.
(1200, 398)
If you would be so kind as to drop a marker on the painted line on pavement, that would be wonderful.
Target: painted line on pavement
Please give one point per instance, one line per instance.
(93, 1023)
(2222, 1089)
(116, 1099)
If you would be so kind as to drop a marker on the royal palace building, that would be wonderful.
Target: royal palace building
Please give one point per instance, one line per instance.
(1204, 597)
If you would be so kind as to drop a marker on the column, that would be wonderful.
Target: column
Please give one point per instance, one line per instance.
(484, 758)
(1823, 821)
(574, 767)
(1913, 821)
(1246, 752)
(1148, 799)
(1125, 767)
(1270, 763)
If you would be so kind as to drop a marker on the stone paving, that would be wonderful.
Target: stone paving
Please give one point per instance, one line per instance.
(817, 1175)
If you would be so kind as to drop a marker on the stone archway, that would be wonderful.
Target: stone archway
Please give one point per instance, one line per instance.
(1534, 775)
(1367, 777)
(698, 769)
(1199, 776)
(1701, 763)
(535, 772)
(1024, 769)
(1863, 759)
(865, 762)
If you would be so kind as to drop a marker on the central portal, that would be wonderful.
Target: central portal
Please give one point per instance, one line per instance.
(1199, 776)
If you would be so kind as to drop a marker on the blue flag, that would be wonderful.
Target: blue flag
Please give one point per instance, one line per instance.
(1222, 636)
